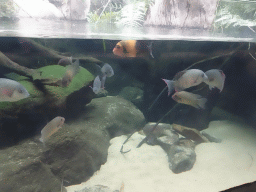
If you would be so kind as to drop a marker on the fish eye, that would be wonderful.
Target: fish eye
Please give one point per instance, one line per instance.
(20, 90)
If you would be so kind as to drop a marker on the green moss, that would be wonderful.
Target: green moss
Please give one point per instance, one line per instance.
(53, 71)
(56, 71)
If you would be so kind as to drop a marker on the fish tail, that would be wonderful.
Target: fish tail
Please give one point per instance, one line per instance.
(150, 49)
(170, 85)
(201, 103)
(41, 139)
(76, 66)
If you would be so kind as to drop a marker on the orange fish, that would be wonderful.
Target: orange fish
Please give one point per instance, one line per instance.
(132, 48)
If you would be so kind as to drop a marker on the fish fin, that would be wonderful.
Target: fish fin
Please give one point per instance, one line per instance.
(76, 66)
(201, 103)
(41, 139)
(98, 70)
(178, 75)
(170, 85)
(222, 87)
(211, 87)
(103, 80)
(150, 49)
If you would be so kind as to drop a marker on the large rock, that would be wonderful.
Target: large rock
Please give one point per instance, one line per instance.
(75, 9)
(53, 9)
(37, 9)
(183, 13)
(73, 153)
(21, 170)
(78, 150)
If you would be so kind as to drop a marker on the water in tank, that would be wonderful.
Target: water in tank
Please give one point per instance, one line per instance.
(127, 96)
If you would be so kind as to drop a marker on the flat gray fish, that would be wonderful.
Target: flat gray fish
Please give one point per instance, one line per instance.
(107, 70)
(96, 88)
(191, 99)
(216, 78)
(12, 91)
(72, 70)
(185, 79)
(51, 127)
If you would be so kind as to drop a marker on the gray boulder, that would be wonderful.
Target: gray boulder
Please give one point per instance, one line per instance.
(22, 170)
(78, 150)
(73, 153)
(181, 158)
(133, 94)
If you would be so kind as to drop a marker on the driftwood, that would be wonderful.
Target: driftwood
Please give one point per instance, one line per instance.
(28, 56)
(6, 62)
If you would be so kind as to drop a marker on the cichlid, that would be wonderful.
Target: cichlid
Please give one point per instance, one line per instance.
(106, 71)
(72, 70)
(185, 79)
(12, 91)
(191, 99)
(96, 88)
(132, 48)
(51, 127)
(65, 61)
(216, 78)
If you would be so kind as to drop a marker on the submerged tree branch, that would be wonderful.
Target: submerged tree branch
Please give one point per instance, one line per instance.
(7, 63)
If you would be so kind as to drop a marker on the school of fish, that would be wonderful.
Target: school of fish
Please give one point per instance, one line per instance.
(193, 77)
(11, 91)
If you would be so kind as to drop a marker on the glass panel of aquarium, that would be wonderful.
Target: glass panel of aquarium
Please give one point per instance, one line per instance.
(136, 95)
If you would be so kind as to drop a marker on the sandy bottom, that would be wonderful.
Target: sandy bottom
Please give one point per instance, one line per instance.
(218, 166)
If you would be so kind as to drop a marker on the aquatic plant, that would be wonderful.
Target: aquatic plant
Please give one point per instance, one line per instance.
(105, 17)
(131, 15)
(234, 14)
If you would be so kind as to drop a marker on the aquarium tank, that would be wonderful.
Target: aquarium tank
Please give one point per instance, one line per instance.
(127, 95)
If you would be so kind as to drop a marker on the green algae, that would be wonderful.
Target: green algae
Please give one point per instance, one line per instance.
(81, 79)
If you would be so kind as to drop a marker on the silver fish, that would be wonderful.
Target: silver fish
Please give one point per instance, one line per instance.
(12, 91)
(107, 70)
(191, 99)
(51, 127)
(96, 85)
(216, 78)
(185, 79)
